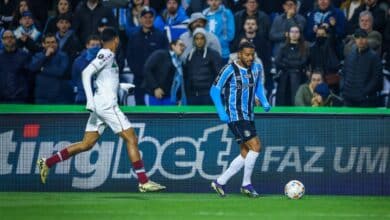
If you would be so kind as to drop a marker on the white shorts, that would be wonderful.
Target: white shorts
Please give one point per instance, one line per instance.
(113, 117)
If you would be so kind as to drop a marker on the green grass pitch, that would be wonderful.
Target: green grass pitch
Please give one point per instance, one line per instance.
(171, 206)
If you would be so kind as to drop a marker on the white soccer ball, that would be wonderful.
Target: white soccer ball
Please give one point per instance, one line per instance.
(294, 189)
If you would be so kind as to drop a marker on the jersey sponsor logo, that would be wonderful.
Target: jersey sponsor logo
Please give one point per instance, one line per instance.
(102, 58)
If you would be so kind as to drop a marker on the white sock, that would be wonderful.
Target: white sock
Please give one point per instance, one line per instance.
(250, 161)
(233, 168)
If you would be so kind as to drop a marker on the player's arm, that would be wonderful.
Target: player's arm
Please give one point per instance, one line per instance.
(216, 91)
(86, 78)
(95, 66)
(260, 93)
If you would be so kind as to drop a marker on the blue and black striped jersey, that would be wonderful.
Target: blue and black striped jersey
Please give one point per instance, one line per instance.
(239, 87)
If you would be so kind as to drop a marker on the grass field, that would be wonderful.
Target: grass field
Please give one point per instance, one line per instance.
(111, 206)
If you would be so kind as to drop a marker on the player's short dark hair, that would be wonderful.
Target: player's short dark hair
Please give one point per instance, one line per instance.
(246, 44)
(108, 34)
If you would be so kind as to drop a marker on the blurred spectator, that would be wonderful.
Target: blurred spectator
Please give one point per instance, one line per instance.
(164, 76)
(7, 7)
(263, 48)
(23, 6)
(14, 75)
(321, 96)
(50, 67)
(283, 22)
(200, 69)
(305, 92)
(362, 74)
(172, 20)
(220, 21)
(63, 7)
(129, 18)
(349, 7)
(374, 37)
(326, 15)
(198, 20)
(87, 17)
(92, 46)
(252, 10)
(307, 6)
(323, 56)
(378, 13)
(27, 35)
(139, 46)
(66, 38)
(291, 65)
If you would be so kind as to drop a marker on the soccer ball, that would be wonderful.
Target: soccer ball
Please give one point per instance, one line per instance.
(294, 189)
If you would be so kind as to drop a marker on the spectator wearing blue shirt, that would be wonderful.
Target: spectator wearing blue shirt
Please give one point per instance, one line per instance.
(27, 34)
(172, 20)
(220, 21)
(50, 67)
(328, 16)
(13, 71)
(92, 47)
(140, 45)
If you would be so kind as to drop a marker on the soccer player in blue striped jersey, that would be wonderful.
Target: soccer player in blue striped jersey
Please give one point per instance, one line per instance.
(238, 83)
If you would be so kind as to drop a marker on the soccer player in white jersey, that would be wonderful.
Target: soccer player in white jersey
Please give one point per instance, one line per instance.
(104, 111)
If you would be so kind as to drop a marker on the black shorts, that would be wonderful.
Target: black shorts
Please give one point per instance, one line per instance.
(243, 130)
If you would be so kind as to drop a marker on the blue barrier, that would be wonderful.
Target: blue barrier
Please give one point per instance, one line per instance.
(330, 154)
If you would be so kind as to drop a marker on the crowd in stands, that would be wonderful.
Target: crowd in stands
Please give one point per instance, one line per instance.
(314, 52)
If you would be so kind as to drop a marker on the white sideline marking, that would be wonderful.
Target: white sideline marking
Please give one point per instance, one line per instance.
(347, 215)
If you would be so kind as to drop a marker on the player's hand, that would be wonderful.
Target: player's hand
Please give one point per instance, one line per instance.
(223, 117)
(90, 106)
(267, 108)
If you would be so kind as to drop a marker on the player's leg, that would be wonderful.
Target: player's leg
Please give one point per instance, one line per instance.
(86, 144)
(145, 185)
(234, 167)
(250, 160)
(94, 128)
